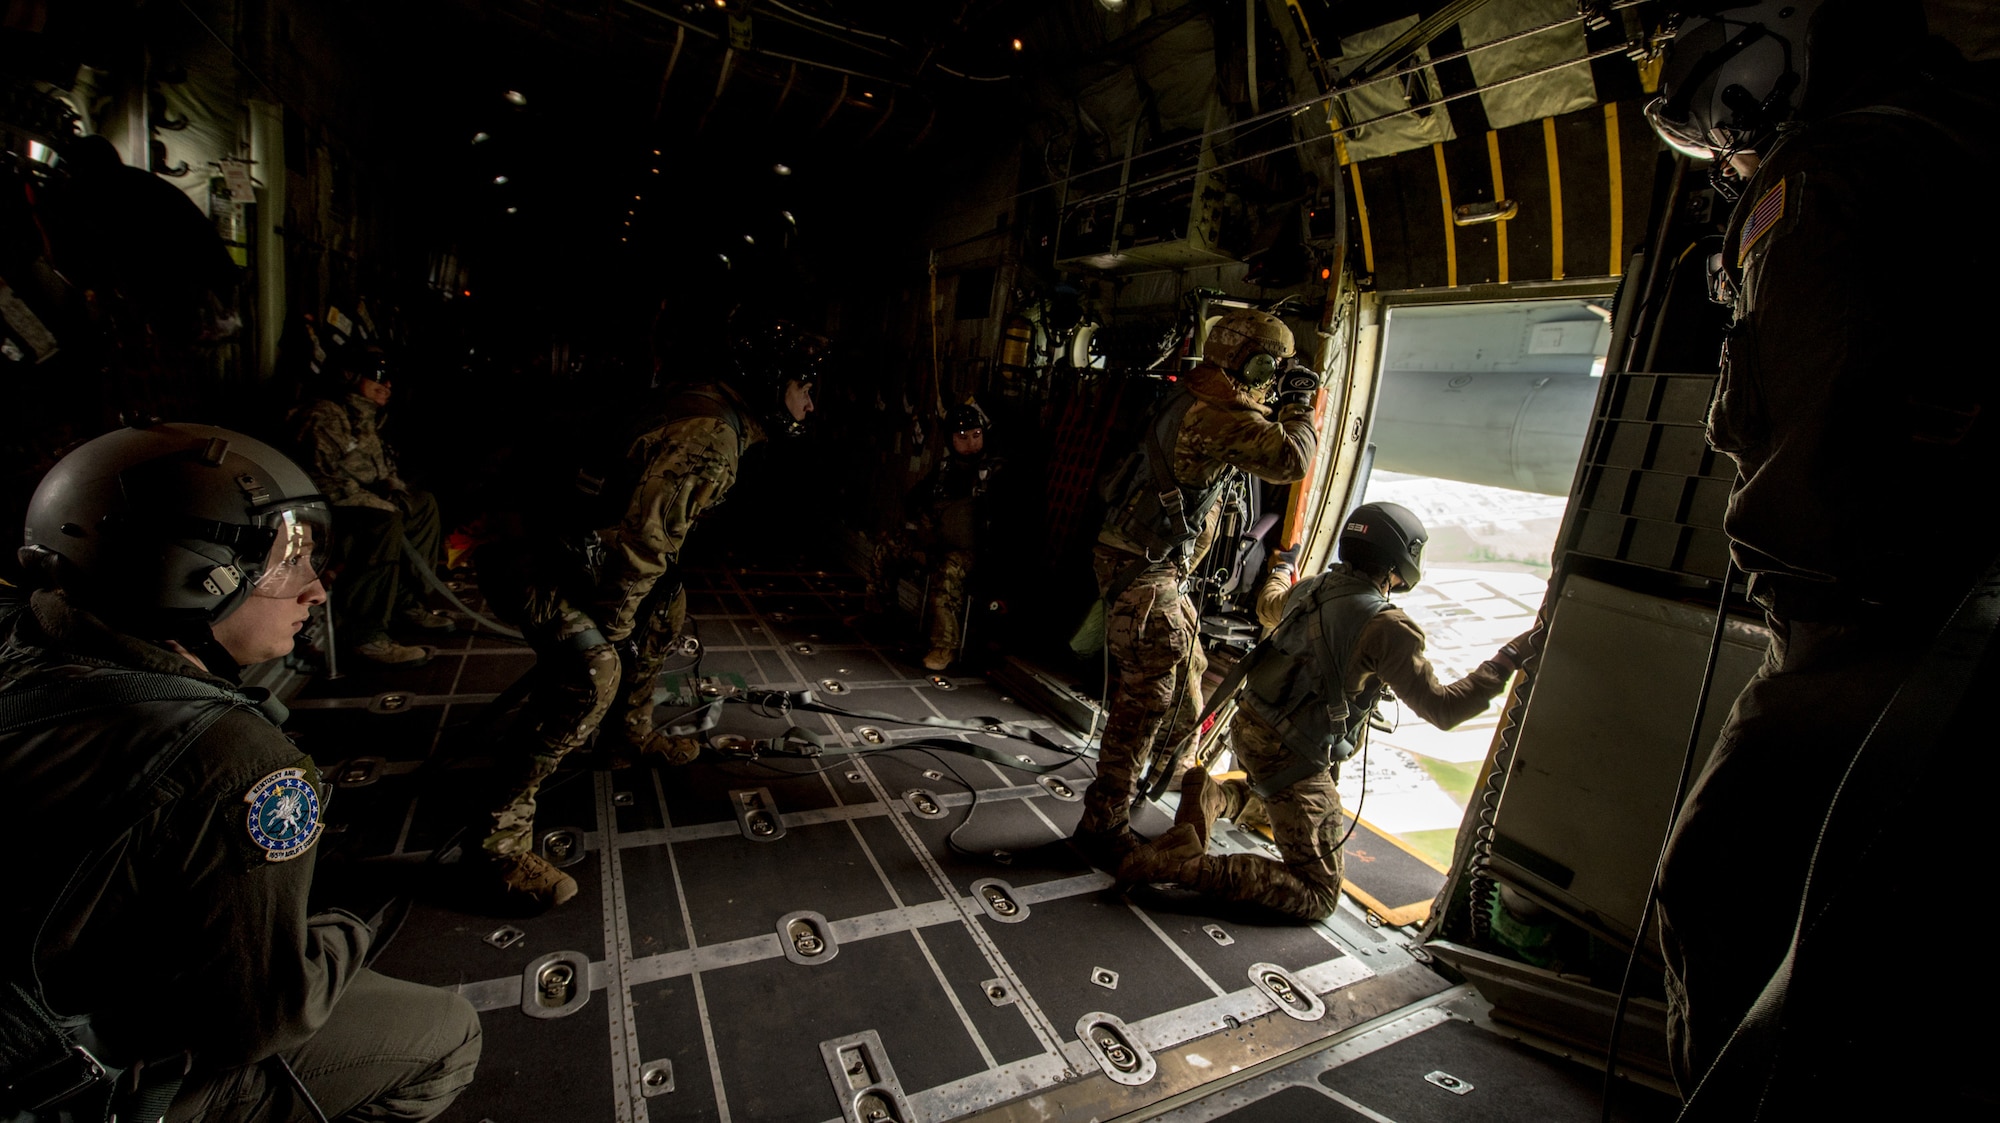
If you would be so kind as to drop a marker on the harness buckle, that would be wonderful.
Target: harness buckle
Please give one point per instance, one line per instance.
(72, 1074)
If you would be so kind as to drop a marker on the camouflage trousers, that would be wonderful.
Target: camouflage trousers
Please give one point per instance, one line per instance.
(1305, 823)
(657, 636)
(577, 678)
(948, 570)
(1155, 684)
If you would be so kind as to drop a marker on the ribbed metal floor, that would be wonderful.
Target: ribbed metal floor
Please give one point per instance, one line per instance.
(795, 939)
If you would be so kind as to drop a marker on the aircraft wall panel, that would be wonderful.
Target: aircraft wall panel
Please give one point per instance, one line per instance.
(1586, 806)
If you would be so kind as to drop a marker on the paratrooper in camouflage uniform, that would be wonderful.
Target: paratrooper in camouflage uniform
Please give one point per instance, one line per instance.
(603, 617)
(1150, 624)
(946, 522)
(379, 585)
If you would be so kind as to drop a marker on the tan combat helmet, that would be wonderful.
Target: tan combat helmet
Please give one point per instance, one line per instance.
(1243, 332)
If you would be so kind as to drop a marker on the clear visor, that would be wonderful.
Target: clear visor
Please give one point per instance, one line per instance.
(1685, 137)
(298, 554)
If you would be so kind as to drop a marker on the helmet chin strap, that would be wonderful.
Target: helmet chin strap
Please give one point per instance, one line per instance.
(197, 638)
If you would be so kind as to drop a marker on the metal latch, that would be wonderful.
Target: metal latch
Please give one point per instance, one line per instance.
(1116, 1050)
(555, 985)
(999, 900)
(563, 847)
(865, 1080)
(1060, 789)
(656, 1078)
(757, 814)
(807, 938)
(1448, 1082)
(1292, 996)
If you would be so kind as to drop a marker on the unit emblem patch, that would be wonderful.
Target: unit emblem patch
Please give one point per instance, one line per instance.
(284, 814)
(1765, 215)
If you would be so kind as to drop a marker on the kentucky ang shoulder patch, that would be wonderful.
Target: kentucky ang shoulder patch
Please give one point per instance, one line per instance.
(284, 814)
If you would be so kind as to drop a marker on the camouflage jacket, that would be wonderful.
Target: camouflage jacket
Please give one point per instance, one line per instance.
(1226, 428)
(684, 466)
(949, 502)
(346, 455)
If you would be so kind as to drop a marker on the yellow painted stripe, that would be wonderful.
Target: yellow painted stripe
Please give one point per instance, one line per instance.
(1450, 228)
(1361, 209)
(1555, 201)
(1617, 189)
(1499, 193)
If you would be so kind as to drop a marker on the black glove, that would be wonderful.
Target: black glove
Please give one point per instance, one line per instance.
(1516, 651)
(1297, 384)
(1287, 558)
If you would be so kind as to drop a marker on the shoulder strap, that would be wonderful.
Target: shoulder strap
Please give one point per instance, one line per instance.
(1334, 625)
(698, 401)
(46, 703)
(1170, 418)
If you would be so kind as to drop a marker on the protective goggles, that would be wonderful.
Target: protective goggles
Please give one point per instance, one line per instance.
(1685, 137)
(301, 543)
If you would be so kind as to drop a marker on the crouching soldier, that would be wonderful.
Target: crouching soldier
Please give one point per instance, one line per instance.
(1307, 695)
(157, 958)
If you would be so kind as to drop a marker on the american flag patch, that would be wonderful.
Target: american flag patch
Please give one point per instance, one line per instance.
(1769, 209)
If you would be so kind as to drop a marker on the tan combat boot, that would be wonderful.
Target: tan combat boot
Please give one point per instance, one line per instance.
(527, 880)
(938, 659)
(1202, 799)
(390, 655)
(1163, 858)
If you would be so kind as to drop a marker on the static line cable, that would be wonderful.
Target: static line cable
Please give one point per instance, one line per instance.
(224, 44)
(1673, 816)
(1169, 179)
(431, 579)
(1319, 99)
(848, 28)
(701, 30)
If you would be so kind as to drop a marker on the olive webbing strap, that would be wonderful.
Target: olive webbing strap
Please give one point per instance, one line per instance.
(1231, 684)
(61, 699)
(992, 726)
(819, 747)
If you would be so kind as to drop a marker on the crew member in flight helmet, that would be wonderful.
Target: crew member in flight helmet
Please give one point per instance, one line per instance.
(1827, 115)
(1308, 692)
(165, 929)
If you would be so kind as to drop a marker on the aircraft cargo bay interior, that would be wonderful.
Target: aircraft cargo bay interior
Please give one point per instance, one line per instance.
(903, 561)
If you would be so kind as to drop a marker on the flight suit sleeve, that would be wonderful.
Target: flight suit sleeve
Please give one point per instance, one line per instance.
(689, 472)
(265, 975)
(1272, 596)
(1278, 449)
(1392, 647)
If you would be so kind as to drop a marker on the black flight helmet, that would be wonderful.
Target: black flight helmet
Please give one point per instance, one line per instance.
(1385, 536)
(966, 418)
(766, 360)
(162, 530)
